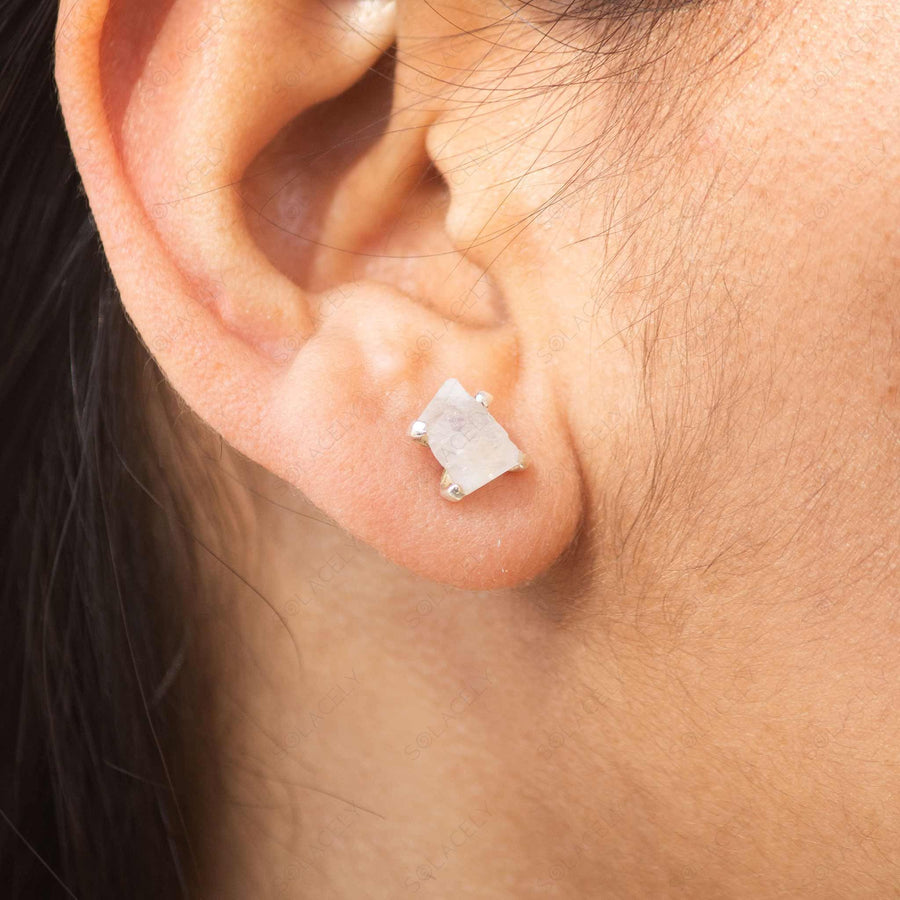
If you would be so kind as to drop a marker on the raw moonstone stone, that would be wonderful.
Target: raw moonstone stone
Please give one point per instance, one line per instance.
(466, 439)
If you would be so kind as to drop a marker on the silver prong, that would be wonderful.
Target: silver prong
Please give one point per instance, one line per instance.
(523, 463)
(418, 431)
(452, 492)
(449, 489)
(484, 398)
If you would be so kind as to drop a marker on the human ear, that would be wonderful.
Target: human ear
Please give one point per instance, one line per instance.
(261, 180)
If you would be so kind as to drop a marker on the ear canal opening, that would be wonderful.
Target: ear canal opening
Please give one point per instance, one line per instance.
(347, 192)
(289, 189)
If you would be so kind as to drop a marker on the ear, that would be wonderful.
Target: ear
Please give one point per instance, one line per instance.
(260, 178)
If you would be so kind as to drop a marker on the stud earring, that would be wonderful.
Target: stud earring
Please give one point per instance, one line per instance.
(471, 445)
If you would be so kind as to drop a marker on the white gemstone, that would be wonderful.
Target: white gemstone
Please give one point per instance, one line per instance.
(466, 439)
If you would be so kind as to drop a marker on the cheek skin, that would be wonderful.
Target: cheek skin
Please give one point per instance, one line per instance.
(794, 184)
(746, 253)
(719, 236)
(769, 254)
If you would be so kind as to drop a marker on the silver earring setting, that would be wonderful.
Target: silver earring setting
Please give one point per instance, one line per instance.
(471, 445)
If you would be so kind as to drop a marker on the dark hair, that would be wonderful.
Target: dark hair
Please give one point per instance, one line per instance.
(90, 737)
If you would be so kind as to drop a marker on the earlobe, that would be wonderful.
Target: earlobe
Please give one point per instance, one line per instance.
(311, 342)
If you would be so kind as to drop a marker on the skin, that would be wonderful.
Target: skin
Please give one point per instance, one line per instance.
(662, 661)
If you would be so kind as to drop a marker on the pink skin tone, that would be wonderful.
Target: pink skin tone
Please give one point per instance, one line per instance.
(662, 661)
